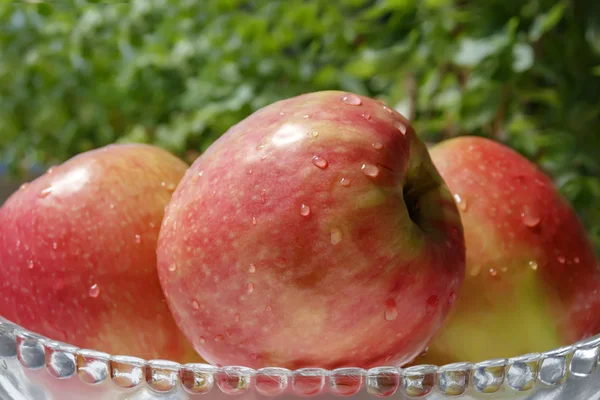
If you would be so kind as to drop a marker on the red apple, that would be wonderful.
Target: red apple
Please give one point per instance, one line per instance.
(532, 282)
(316, 232)
(78, 252)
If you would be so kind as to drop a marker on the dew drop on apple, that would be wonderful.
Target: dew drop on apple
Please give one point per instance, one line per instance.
(30, 264)
(306, 116)
(461, 203)
(304, 210)
(237, 317)
(250, 287)
(201, 173)
(336, 236)
(252, 268)
(366, 116)
(314, 134)
(493, 272)
(561, 259)
(529, 219)
(202, 340)
(452, 298)
(138, 239)
(388, 110)
(432, 302)
(45, 193)
(253, 356)
(173, 267)
(352, 99)
(391, 310)
(320, 162)
(533, 265)
(219, 338)
(24, 186)
(576, 260)
(254, 221)
(370, 170)
(377, 146)
(400, 126)
(195, 304)
(94, 290)
(54, 246)
(345, 182)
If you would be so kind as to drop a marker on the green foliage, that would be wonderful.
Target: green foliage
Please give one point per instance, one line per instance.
(178, 73)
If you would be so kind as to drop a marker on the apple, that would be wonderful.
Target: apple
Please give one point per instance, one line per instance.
(532, 281)
(78, 253)
(316, 232)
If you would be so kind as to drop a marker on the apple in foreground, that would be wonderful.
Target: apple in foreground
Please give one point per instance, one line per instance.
(532, 281)
(314, 233)
(78, 253)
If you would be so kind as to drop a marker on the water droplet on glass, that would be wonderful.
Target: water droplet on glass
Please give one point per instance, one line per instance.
(370, 170)
(345, 182)
(219, 338)
(320, 162)
(195, 305)
(252, 268)
(250, 287)
(30, 264)
(138, 239)
(460, 202)
(529, 219)
(236, 317)
(352, 99)
(377, 146)
(432, 303)
(45, 193)
(366, 116)
(94, 291)
(401, 127)
(533, 265)
(336, 236)
(493, 272)
(304, 210)
(391, 310)
(172, 267)
(561, 259)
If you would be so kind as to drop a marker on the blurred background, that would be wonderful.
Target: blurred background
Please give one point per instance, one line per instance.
(75, 75)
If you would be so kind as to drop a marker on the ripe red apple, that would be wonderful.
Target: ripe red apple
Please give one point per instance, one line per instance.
(532, 282)
(316, 232)
(78, 252)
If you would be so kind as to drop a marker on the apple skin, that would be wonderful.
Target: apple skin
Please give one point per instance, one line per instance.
(288, 242)
(78, 253)
(532, 281)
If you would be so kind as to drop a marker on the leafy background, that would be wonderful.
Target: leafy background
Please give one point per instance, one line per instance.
(75, 74)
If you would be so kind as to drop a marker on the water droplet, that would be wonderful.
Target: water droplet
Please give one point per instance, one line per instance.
(219, 338)
(306, 116)
(432, 303)
(254, 221)
(388, 110)
(366, 116)
(195, 305)
(370, 170)
(377, 146)
(401, 127)
(45, 193)
(281, 113)
(269, 308)
(138, 239)
(250, 287)
(493, 272)
(202, 340)
(169, 186)
(252, 268)
(172, 267)
(561, 259)
(529, 219)
(425, 352)
(460, 202)
(320, 162)
(24, 186)
(263, 196)
(94, 291)
(236, 317)
(250, 172)
(336, 236)
(391, 310)
(345, 182)
(314, 134)
(352, 99)
(200, 173)
(452, 298)
(475, 270)
(111, 206)
(576, 260)
(30, 264)
(533, 265)
(54, 246)
(304, 210)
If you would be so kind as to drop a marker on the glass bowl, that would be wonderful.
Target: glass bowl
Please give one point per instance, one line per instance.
(33, 367)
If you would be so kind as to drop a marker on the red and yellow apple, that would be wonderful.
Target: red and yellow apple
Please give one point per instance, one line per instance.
(316, 232)
(78, 253)
(532, 281)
